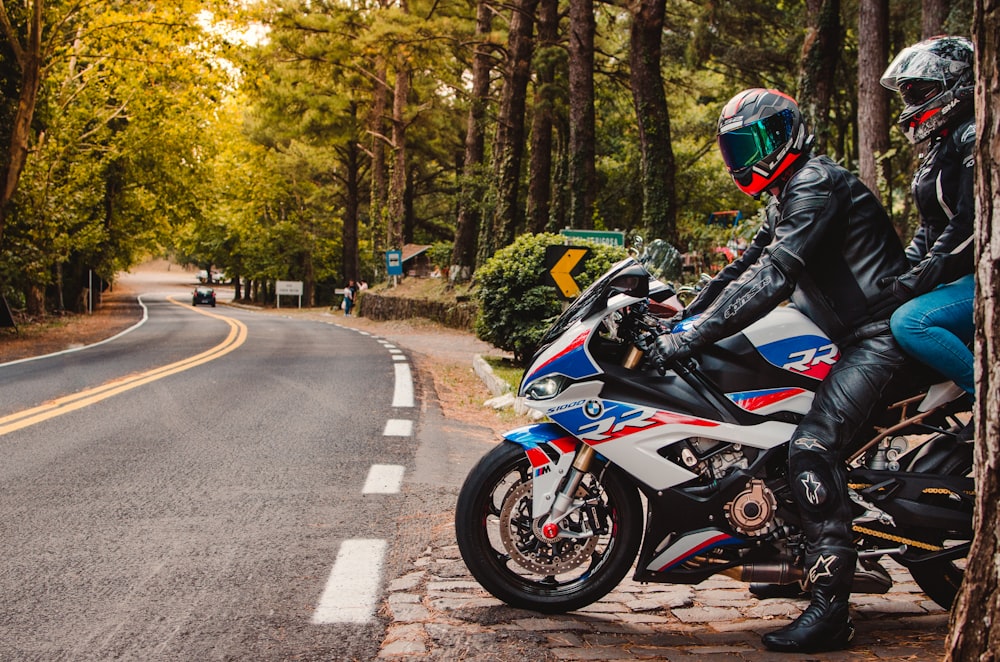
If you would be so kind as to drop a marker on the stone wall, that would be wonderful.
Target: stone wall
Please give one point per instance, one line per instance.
(457, 315)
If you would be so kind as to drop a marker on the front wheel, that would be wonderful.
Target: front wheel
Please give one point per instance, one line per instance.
(499, 540)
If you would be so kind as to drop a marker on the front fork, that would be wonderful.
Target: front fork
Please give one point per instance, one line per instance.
(558, 464)
(554, 498)
(564, 497)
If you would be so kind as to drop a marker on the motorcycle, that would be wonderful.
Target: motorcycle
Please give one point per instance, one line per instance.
(686, 471)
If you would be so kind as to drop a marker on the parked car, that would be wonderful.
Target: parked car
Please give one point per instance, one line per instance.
(203, 295)
(217, 276)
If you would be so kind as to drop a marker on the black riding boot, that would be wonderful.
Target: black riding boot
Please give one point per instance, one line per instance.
(825, 625)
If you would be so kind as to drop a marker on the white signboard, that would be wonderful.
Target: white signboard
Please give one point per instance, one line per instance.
(291, 287)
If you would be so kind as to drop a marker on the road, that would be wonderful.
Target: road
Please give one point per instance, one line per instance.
(195, 489)
(216, 501)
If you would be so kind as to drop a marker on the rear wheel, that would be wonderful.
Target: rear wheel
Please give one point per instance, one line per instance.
(500, 543)
(940, 580)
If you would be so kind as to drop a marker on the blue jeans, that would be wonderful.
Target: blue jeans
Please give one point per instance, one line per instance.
(937, 328)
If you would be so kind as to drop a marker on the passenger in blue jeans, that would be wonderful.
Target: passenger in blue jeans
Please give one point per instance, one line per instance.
(937, 328)
(934, 78)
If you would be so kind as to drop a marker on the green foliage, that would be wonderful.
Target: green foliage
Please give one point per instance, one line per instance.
(516, 304)
(439, 254)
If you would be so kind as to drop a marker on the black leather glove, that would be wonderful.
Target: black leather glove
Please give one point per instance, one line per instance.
(670, 347)
(893, 294)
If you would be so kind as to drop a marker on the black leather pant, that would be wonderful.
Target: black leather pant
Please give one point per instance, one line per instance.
(843, 403)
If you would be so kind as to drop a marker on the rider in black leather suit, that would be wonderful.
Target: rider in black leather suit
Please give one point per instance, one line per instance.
(827, 244)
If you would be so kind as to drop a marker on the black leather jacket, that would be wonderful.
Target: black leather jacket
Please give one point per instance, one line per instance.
(942, 248)
(826, 244)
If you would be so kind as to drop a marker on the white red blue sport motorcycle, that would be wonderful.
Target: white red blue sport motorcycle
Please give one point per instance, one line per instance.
(553, 517)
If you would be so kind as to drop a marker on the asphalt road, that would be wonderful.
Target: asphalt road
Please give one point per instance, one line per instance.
(195, 490)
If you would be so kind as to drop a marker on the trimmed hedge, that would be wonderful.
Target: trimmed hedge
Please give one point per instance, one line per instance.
(516, 302)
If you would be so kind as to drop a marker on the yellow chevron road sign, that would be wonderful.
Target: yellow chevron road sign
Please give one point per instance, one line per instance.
(563, 263)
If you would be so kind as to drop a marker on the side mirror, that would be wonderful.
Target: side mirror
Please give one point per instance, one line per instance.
(633, 281)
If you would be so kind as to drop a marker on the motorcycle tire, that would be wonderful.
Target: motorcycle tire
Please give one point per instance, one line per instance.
(499, 543)
(941, 580)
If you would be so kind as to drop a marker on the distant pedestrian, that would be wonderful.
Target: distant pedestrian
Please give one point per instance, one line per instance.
(349, 293)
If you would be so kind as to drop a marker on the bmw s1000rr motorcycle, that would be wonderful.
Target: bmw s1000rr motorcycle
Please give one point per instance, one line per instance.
(553, 518)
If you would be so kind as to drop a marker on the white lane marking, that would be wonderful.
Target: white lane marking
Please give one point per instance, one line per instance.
(396, 427)
(398, 358)
(384, 479)
(352, 590)
(402, 395)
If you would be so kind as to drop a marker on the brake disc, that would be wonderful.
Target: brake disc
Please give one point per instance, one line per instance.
(523, 539)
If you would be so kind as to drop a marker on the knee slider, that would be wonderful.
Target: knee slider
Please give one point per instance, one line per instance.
(811, 489)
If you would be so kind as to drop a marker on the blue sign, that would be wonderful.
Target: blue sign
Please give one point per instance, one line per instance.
(394, 262)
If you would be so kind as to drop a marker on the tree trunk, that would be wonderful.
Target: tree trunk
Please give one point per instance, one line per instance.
(508, 147)
(463, 256)
(974, 631)
(932, 15)
(351, 261)
(659, 209)
(582, 132)
(820, 53)
(29, 64)
(379, 167)
(540, 166)
(397, 178)
(873, 99)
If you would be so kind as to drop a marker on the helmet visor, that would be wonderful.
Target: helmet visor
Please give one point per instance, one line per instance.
(917, 92)
(743, 147)
(917, 62)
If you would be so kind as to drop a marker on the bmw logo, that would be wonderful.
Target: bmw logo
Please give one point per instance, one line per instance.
(593, 408)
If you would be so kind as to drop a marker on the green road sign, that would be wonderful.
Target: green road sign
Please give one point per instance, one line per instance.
(612, 238)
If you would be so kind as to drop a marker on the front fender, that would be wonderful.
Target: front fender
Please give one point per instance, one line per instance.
(551, 451)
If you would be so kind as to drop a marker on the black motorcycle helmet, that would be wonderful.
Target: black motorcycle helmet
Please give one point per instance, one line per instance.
(935, 80)
(761, 134)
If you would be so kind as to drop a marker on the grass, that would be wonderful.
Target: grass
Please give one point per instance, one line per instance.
(506, 369)
(433, 289)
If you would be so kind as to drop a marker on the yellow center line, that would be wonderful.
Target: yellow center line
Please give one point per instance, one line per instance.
(65, 404)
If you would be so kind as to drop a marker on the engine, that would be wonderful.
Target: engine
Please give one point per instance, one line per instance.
(712, 459)
(752, 511)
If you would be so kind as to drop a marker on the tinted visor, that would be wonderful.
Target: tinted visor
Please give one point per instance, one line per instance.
(743, 147)
(917, 92)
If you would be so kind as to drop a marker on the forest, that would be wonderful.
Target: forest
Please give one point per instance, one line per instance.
(301, 139)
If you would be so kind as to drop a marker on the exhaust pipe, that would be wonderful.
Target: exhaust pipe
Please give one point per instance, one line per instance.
(781, 572)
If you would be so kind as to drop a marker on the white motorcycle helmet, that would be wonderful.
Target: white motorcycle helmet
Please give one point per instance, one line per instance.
(935, 80)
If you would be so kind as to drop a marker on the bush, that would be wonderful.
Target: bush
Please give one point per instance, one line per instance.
(516, 303)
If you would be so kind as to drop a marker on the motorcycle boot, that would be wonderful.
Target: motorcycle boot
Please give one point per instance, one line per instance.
(825, 625)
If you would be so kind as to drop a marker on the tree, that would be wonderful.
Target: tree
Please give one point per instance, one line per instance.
(508, 146)
(549, 59)
(974, 630)
(22, 33)
(820, 54)
(932, 16)
(463, 258)
(659, 209)
(582, 131)
(873, 99)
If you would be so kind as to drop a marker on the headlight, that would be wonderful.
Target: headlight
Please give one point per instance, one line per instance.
(544, 388)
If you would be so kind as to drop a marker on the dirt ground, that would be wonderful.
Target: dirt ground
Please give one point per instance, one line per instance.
(117, 311)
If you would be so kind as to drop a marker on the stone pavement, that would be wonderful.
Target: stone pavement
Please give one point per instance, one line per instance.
(435, 610)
